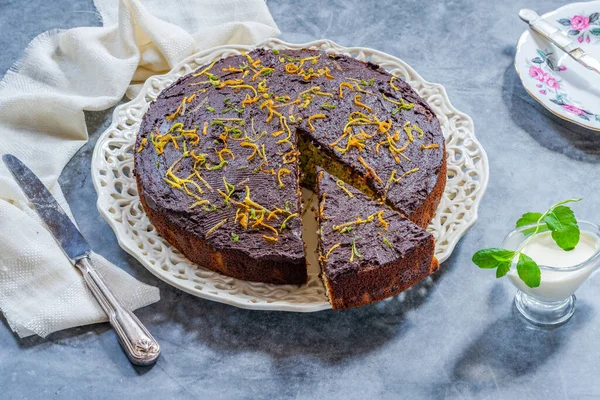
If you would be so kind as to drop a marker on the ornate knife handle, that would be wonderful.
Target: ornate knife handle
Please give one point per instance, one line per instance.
(136, 341)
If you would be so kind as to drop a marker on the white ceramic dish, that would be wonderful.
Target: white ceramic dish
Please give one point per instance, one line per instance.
(118, 201)
(553, 78)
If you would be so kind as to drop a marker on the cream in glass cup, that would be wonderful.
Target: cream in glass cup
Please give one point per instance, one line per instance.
(562, 272)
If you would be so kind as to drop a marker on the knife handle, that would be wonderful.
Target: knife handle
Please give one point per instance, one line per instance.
(547, 30)
(139, 345)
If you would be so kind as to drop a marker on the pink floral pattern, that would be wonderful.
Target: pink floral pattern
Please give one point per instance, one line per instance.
(544, 71)
(537, 73)
(580, 22)
(583, 27)
(552, 82)
(573, 110)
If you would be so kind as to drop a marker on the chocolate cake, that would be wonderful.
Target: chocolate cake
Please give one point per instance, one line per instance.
(218, 154)
(367, 251)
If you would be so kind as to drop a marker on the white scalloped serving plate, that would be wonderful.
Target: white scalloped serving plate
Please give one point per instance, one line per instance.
(118, 201)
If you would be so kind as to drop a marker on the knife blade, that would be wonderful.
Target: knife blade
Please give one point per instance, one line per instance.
(58, 222)
(556, 36)
(139, 345)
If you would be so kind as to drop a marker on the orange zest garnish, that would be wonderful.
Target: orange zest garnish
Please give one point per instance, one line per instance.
(430, 146)
(252, 62)
(217, 226)
(335, 246)
(142, 144)
(396, 180)
(230, 82)
(277, 133)
(315, 116)
(382, 221)
(262, 86)
(401, 104)
(342, 136)
(391, 143)
(289, 135)
(345, 85)
(260, 222)
(282, 171)
(370, 171)
(270, 239)
(291, 68)
(285, 221)
(342, 186)
(249, 100)
(266, 171)
(357, 98)
(357, 221)
(264, 70)
(316, 90)
(252, 146)
(353, 141)
(325, 72)
(322, 205)
(392, 83)
(290, 156)
(287, 104)
(307, 75)
(384, 126)
(243, 217)
(250, 210)
(205, 70)
(181, 108)
(232, 69)
(244, 87)
(360, 221)
(409, 131)
(269, 105)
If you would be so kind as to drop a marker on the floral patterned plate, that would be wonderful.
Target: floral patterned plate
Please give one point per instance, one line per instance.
(558, 82)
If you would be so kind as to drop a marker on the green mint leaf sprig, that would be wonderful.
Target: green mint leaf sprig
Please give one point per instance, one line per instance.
(559, 219)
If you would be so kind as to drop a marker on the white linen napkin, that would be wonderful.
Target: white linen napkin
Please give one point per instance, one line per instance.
(42, 99)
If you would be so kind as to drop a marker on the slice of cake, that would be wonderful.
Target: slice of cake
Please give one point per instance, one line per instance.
(367, 251)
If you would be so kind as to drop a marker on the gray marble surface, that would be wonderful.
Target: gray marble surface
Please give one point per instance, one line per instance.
(462, 338)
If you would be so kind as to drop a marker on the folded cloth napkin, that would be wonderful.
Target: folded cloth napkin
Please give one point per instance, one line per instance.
(42, 99)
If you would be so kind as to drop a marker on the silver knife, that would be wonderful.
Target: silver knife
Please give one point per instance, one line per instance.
(137, 342)
(556, 36)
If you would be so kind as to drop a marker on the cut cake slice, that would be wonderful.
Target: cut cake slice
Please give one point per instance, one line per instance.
(367, 251)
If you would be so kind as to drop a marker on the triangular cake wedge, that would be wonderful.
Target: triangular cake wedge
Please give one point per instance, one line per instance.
(367, 251)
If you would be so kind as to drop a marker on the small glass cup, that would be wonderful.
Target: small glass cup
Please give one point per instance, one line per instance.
(553, 302)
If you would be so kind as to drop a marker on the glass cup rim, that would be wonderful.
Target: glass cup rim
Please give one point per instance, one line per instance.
(595, 227)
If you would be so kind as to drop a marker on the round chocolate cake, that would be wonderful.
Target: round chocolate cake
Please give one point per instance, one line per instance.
(222, 153)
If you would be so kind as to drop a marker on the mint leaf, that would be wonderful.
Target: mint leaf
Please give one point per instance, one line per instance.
(503, 269)
(531, 218)
(563, 224)
(493, 258)
(559, 219)
(528, 219)
(528, 271)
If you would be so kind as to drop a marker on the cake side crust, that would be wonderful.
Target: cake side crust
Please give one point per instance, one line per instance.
(227, 262)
